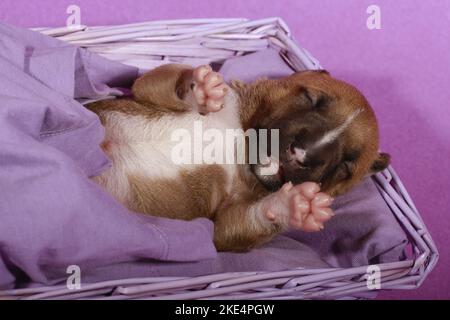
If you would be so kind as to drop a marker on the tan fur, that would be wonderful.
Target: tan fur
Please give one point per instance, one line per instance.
(167, 197)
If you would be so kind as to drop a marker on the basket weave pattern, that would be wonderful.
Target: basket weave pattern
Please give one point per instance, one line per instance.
(150, 44)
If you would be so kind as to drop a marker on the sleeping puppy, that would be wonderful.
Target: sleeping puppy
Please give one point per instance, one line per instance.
(328, 139)
(328, 132)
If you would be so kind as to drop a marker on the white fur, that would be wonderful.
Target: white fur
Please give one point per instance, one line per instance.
(332, 135)
(300, 154)
(142, 146)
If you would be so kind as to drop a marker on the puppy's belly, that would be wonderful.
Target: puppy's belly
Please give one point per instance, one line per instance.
(144, 176)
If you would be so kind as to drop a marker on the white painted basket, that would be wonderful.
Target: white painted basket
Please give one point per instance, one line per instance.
(150, 44)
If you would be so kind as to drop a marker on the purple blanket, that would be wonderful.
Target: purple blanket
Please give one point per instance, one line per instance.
(52, 215)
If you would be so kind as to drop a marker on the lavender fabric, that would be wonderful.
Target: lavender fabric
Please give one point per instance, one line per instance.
(53, 216)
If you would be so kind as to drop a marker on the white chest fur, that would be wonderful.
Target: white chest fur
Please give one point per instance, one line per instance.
(141, 146)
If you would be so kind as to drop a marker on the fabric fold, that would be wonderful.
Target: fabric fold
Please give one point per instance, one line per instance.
(51, 214)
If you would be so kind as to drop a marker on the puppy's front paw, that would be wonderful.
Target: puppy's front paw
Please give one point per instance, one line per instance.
(209, 89)
(301, 207)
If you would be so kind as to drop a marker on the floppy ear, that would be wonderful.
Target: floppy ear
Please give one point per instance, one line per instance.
(318, 71)
(381, 162)
(323, 71)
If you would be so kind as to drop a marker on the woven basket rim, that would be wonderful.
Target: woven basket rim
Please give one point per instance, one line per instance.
(297, 283)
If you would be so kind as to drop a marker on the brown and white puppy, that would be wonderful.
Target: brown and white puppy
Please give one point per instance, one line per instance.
(328, 135)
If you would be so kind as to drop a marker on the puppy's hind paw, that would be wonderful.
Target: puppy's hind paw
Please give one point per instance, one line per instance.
(315, 208)
(301, 207)
(209, 89)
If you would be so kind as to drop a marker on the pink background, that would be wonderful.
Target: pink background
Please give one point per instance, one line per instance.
(404, 70)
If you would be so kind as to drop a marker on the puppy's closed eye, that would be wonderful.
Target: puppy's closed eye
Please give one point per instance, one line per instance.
(344, 171)
(308, 96)
(315, 100)
(321, 102)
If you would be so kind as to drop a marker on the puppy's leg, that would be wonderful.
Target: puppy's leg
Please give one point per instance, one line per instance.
(163, 88)
(176, 87)
(251, 222)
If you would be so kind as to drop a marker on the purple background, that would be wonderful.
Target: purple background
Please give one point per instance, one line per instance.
(403, 69)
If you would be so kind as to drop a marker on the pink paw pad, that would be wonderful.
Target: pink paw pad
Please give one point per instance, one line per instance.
(209, 89)
(301, 207)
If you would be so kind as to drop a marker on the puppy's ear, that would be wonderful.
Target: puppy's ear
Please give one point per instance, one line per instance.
(381, 162)
(318, 71)
(323, 71)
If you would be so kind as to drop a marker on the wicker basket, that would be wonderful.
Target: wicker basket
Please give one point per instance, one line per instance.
(150, 44)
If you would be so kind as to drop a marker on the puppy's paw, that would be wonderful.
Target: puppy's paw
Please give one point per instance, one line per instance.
(301, 207)
(209, 89)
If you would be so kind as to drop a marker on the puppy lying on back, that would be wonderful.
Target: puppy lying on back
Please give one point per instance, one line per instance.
(328, 139)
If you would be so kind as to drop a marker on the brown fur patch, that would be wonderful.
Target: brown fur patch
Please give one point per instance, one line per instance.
(160, 88)
(233, 226)
(197, 193)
